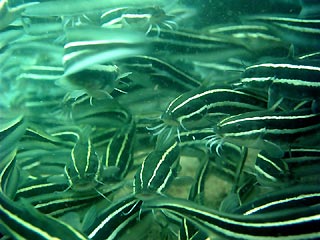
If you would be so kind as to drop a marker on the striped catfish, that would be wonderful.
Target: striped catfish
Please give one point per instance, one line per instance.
(41, 73)
(187, 229)
(50, 198)
(291, 79)
(254, 37)
(40, 185)
(112, 221)
(97, 81)
(271, 131)
(298, 196)
(303, 33)
(43, 163)
(218, 102)
(142, 19)
(118, 157)
(105, 113)
(303, 164)
(271, 171)
(12, 128)
(84, 168)
(159, 67)
(157, 170)
(238, 194)
(181, 42)
(9, 175)
(67, 8)
(37, 135)
(288, 224)
(10, 13)
(89, 46)
(20, 220)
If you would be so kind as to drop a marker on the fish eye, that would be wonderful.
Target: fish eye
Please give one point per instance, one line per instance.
(239, 126)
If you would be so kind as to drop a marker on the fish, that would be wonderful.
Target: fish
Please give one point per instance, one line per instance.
(67, 8)
(273, 132)
(187, 229)
(10, 14)
(97, 81)
(284, 79)
(118, 157)
(143, 19)
(159, 67)
(290, 197)
(111, 221)
(303, 164)
(302, 33)
(9, 175)
(12, 128)
(20, 220)
(84, 168)
(87, 46)
(157, 170)
(292, 223)
(214, 102)
(49, 197)
(271, 171)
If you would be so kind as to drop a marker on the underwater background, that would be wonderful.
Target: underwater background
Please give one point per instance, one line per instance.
(159, 119)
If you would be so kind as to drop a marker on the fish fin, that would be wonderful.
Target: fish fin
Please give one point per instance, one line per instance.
(272, 149)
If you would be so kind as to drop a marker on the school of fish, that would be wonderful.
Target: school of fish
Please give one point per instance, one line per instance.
(158, 119)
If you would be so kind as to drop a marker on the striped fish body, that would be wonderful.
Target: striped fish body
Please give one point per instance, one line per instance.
(97, 81)
(254, 37)
(88, 46)
(41, 73)
(102, 113)
(297, 196)
(292, 223)
(271, 171)
(181, 42)
(187, 229)
(67, 8)
(119, 152)
(9, 175)
(295, 79)
(157, 171)
(303, 33)
(36, 135)
(19, 219)
(110, 222)
(270, 131)
(40, 185)
(11, 131)
(22, 221)
(136, 18)
(198, 103)
(51, 198)
(83, 170)
(157, 66)
(303, 164)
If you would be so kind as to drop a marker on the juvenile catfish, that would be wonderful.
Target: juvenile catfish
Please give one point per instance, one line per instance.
(83, 169)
